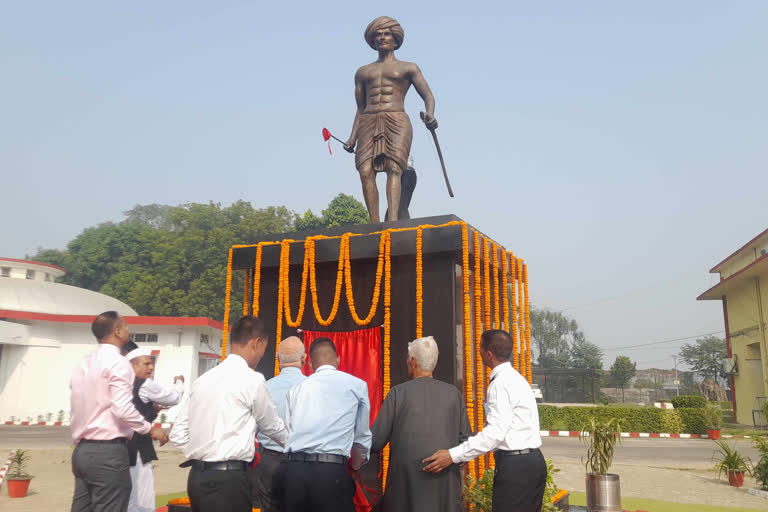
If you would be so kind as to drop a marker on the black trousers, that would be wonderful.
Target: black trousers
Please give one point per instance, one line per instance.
(264, 479)
(219, 491)
(316, 487)
(102, 477)
(519, 482)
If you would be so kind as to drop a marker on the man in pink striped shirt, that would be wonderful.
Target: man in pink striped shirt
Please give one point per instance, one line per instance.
(103, 419)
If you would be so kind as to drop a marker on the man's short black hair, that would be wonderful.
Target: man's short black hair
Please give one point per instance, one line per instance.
(498, 342)
(104, 324)
(246, 329)
(321, 344)
(128, 347)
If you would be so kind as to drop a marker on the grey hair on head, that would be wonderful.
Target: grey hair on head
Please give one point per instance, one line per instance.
(424, 351)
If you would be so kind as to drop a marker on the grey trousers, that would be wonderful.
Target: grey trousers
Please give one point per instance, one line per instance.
(102, 477)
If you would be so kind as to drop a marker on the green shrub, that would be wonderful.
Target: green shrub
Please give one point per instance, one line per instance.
(760, 472)
(651, 420)
(694, 421)
(671, 422)
(478, 494)
(689, 401)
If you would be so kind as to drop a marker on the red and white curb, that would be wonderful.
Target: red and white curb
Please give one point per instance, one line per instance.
(6, 466)
(63, 424)
(574, 433)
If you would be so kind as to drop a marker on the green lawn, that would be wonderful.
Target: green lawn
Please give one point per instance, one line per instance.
(161, 501)
(579, 498)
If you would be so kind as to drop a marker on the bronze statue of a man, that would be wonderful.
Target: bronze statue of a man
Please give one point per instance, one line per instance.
(382, 130)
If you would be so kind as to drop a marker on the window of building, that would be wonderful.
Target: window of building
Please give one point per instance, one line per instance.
(5, 271)
(143, 338)
(204, 364)
(204, 339)
(30, 274)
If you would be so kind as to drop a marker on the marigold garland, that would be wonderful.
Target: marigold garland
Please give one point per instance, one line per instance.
(527, 325)
(310, 246)
(496, 298)
(376, 286)
(480, 422)
(513, 328)
(505, 291)
(285, 268)
(387, 381)
(470, 401)
(419, 283)
(520, 313)
(245, 292)
(485, 374)
(227, 293)
(257, 280)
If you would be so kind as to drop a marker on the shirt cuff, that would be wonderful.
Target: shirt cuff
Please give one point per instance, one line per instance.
(145, 428)
(456, 453)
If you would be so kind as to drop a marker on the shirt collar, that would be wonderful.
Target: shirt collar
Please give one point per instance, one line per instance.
(109, 346)
(500, 368)
(237, 359)
(325, 367)
(288, 370)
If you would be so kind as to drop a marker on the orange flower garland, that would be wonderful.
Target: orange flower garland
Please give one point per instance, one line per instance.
(496, 298)
(487, 284)
(387, 381)
(285, 268)
(419, 283)
(227, 293)
(376, 287)
(480, 420)
(470, 401)
(513, 327)
(245, 292)
(520, 312)
(310, 246)
(257, 280)
(527, 326)
(505, 291)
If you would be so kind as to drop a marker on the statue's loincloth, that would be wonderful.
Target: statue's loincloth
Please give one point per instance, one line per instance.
(383, 135)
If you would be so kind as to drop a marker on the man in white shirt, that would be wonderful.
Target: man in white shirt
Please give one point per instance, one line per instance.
(511, 432)
(216, 428)
(148, 396)
(291, 357)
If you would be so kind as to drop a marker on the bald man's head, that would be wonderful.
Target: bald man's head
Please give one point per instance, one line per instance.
(291, 352)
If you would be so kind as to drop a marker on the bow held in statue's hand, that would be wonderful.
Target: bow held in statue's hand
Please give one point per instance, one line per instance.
(429, 120)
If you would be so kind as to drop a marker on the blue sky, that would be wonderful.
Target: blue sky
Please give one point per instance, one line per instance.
(619, 147)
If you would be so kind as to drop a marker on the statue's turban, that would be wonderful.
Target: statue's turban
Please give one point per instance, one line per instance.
(380, 23)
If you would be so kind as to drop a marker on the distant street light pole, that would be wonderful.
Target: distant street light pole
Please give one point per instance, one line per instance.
(677, 381)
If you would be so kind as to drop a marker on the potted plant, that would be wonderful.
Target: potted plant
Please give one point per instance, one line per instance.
(729, 461)
(18, 479)
(603, 489)
(713, 417)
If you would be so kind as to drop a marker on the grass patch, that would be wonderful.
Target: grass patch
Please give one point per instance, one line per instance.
(161, 501)
(737, 430)
(579, 498)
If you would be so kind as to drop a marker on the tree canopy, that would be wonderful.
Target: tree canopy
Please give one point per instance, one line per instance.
(705, 356)
(622, 371)
(560, 343)
(167, 260)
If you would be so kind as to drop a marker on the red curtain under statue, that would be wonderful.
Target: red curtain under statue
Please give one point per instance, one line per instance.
(360, 355)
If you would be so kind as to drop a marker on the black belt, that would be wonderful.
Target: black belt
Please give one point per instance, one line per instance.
(316, 457)
(117, 440)
(226, 465)
(503, 453)
(273, 452)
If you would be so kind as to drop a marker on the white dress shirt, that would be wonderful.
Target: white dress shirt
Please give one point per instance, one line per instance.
(512, 417)
(219, 419)
(167, 396)
(327, 413)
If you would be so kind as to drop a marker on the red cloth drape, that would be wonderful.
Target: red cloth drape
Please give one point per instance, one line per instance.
(360, 355)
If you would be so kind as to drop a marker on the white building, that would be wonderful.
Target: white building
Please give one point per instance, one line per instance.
(45, 328)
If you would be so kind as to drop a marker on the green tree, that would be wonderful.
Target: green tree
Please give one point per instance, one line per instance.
(308, 221)
(343, 210)
(585, 354)
(622, 371)
(553, 333)
(706, 356)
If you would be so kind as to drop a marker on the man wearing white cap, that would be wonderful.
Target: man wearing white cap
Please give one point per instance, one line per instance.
(147, 396)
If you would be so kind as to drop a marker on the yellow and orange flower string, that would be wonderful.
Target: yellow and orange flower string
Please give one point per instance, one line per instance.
(246, 291)
(528, 372)
(479, 381)
(387, 380)
(513, 317)
(227, 293)
(257, 280)
(310, 246)
(520, 313)
(419, 283)
(376, 287)
(467, 324)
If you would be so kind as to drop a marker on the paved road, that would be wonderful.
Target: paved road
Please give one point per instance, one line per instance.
(646, 451)
(692, 453)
